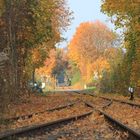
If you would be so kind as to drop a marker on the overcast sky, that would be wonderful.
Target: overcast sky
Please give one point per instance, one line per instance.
(85, 10)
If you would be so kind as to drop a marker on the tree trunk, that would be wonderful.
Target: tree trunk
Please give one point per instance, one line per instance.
(33, 75)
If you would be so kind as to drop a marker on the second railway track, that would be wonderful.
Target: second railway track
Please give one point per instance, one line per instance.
(40, 119)
(122, 113)
(135, 134)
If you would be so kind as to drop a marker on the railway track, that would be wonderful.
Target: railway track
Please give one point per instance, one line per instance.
(57, 113)
(57, 129)
(136, 135)
(121, 101)
(98, 102)
(12, 134)
(135, 131)
(84, 92)
(55, 103)
(36, 113)
(30, 131)
(126, 112)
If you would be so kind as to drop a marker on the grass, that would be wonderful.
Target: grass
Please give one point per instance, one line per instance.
(92, 88)
(76, 77)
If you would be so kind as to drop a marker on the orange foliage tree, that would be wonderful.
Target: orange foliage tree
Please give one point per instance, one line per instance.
(87, 48)
(49, 64)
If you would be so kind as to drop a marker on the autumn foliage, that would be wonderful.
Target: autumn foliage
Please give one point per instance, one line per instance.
(49, 64)
(125, 15)
(88, 46)
(28, 31)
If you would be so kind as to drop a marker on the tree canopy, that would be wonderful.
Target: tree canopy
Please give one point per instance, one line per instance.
(125, 14)
(88, 46)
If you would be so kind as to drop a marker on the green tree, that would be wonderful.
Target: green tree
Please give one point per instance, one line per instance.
(125, 14)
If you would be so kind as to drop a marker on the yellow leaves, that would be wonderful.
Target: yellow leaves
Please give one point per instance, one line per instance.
(73, 53)
(34, 104)
(35, 55)
(123, 9)
(132, 114)
(1, 6)
(100, 64)
(49, 64)
(87, 48)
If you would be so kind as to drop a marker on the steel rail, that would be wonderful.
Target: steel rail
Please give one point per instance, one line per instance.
(108, 117)
(117, 100)
(26, 129)
(120, 101)
(118, 123)
(105, 106)
(40, 112)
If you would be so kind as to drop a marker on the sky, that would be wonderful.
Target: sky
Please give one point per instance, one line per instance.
(84, 10)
